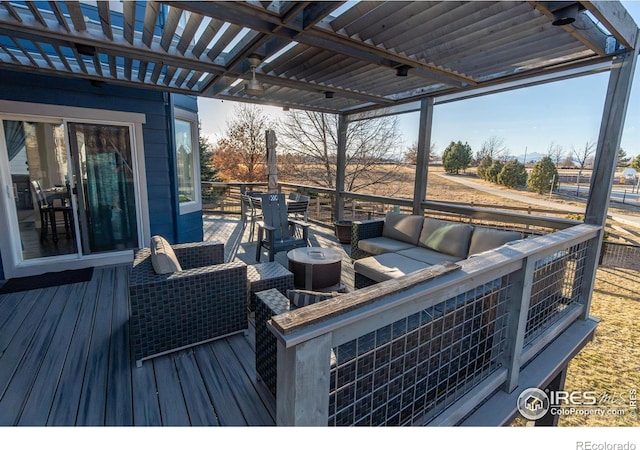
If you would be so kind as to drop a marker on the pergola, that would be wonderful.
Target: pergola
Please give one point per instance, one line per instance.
(336, 57)
(345, 58)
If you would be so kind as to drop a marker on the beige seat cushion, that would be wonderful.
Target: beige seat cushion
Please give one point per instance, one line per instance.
(387, 266)
(446, 237)
(163, 258)
(380, 245)
(428, 256)
(402, 227)
(483, 239)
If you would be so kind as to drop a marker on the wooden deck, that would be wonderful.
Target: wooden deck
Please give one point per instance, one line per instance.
(64, 357)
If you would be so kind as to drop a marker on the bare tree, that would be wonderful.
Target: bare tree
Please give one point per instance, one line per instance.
(411, 155)
(493, 147)
(583, 156)
(240, 155)
(555, 152)
(310, 140)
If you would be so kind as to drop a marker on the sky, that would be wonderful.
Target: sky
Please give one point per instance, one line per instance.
(529, 120)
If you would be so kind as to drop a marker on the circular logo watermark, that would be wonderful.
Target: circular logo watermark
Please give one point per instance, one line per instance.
(533, 403)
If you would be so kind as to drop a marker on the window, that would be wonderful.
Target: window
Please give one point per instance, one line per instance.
(187, 161)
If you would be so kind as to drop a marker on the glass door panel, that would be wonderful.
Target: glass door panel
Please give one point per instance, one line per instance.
(104, 185)
(39, 176)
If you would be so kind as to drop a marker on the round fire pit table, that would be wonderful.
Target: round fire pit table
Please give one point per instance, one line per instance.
(316, 268)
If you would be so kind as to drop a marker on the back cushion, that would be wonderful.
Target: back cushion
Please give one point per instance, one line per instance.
(446, 237)
(163, 258)
(402, 227)
(484, 239)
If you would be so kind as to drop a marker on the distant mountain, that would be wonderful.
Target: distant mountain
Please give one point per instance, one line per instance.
(531, 157)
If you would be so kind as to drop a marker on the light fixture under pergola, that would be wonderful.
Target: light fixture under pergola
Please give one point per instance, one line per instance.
(254, 87)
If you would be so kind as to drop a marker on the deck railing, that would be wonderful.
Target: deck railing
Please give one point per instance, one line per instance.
(410, 351)
(224, 198)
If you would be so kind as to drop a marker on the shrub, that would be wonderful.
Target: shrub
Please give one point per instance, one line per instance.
(513, 174)
(494, 170)
(542, 175)
(483, 167)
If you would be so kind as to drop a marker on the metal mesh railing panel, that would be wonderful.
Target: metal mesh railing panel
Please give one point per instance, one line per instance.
(622, 256)
(557, 280)
(408, 372)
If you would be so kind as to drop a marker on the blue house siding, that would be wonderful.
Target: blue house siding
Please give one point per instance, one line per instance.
(158, 138)
(190, 227)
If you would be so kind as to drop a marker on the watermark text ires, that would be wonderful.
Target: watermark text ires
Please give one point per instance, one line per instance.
(534, 403)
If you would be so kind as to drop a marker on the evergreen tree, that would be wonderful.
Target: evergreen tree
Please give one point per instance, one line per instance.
(207, 171)
(483, 167)
(635, 164)
(513, 174)
(456, 157)
(623, 159)
(494, 170)
(542, 175)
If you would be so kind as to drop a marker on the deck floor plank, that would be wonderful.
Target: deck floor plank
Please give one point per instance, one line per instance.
(8, 302)
(119, 409)
(19, 312)
(19, 387)
(91, 409)
(199, 406)
(15, 338)
(37, 407)
(145, 396)
(80, 372)
(254, 411)
(225, 405)
(64, 407)
(243, 350)
(172, 405)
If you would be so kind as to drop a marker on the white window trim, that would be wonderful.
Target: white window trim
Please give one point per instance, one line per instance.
(188, 116)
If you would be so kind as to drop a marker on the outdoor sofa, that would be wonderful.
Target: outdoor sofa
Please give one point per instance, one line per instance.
(399, 244)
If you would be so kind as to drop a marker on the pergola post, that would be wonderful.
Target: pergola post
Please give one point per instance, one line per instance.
(422, 156)
(611, 127)
(341, 166)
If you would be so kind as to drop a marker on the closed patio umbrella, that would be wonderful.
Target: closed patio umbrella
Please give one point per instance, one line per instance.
(272, 161)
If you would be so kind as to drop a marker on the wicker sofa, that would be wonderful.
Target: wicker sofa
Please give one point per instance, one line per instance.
(401, 243)
(205, 300)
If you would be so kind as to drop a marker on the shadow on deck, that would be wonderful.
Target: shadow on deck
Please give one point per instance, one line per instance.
(65, 359)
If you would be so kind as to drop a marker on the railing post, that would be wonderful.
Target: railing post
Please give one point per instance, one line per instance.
(519, 295)
(341, 163)
(303, 383)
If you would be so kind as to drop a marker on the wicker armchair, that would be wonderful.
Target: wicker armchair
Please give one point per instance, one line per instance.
(206, 300)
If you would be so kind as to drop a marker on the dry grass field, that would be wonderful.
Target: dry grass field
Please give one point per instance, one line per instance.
(610, 364)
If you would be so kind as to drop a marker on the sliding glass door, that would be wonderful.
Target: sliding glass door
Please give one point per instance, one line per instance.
(39, 172)
(73, 190)
(104, 186)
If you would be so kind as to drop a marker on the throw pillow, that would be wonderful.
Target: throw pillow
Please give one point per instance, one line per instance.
(402, 227)
(300, 297)
(484, 239)
(163, 258)
(446, 237)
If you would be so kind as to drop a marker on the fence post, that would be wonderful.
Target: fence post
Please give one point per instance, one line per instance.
(519, 295)
(303, 383)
